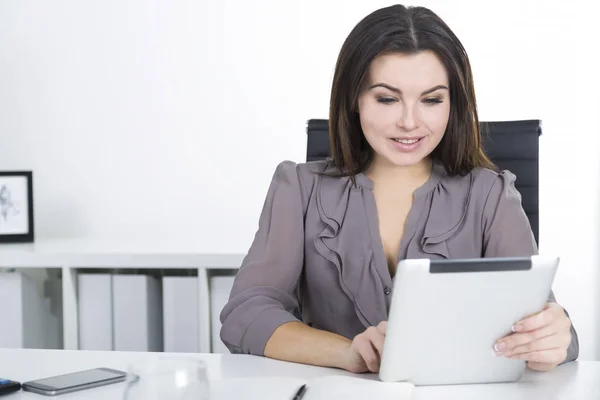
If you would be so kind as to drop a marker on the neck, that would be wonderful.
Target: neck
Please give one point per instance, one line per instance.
(414, 175)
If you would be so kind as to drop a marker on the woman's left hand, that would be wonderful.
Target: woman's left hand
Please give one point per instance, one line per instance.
(541, 339)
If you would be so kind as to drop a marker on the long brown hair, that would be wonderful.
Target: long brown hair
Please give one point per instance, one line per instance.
(407, 30)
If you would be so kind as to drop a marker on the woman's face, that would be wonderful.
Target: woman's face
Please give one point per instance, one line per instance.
(404, 107)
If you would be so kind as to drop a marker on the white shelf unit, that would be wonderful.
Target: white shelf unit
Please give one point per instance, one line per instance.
(73, 255)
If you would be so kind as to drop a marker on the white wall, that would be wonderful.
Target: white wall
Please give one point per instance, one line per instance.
(166, 119)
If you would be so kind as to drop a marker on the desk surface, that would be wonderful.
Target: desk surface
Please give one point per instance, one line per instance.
(577, 380)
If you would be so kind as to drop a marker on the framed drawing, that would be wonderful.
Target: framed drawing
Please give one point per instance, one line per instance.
(16, 206)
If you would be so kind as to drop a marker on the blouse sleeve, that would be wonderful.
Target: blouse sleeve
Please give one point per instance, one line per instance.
(263, 294)
(507, 233)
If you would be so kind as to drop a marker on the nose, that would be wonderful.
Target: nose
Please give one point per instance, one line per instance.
(408, 119)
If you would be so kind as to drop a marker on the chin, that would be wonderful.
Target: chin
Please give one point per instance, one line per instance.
(404, 160)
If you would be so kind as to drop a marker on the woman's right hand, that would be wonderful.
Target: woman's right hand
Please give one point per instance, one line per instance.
(365, 352)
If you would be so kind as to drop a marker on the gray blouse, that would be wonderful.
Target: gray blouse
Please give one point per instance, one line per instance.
(317, 256)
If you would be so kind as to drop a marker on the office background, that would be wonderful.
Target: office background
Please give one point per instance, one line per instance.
(155, 120)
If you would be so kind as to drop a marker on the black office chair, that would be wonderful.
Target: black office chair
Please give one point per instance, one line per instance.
(511, 145)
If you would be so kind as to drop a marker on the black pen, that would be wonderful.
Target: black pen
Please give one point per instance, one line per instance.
(300, 393)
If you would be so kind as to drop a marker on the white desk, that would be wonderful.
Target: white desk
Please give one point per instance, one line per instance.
(578, 380)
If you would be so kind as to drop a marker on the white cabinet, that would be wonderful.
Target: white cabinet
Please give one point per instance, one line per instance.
(145, 302)
(27, 320)
(95, 295)
(180, 312)
(137, 313)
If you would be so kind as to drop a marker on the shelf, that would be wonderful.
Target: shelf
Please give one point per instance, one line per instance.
(72, 255)
(77, 253)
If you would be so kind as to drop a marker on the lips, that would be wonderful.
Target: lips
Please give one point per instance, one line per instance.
(407, 144)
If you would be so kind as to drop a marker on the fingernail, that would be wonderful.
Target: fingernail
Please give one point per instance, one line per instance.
(517, 328)
(500, 346)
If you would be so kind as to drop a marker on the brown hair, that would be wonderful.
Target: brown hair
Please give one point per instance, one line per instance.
(407, 30)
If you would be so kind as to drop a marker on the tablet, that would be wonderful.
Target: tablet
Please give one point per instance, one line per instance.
(445, 317)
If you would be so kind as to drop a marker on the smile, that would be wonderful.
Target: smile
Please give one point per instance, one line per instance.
(407, 141)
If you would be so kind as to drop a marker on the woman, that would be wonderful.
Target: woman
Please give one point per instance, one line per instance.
(407, 179)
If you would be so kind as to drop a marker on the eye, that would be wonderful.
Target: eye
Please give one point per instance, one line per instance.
(433, 101)
(386, 100)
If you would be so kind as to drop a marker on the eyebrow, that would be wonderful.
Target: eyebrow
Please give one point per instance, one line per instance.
(395, 89)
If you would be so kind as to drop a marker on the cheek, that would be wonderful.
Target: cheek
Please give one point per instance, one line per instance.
(375, 119)
(436, 118)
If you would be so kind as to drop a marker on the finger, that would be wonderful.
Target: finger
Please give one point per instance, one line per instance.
(368, 353)
(546, 343)
(542, 367)
(536, 321)
(519, 339)
(377, 340)
(382, 327)
(554, 306)
(551, 356)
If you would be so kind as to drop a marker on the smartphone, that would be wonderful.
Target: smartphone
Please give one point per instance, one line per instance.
(75, 381)
(7, 386)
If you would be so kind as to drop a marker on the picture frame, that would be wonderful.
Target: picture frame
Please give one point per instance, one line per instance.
(16, 207)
